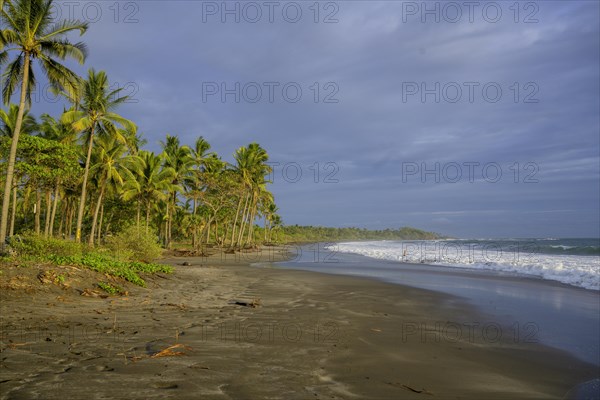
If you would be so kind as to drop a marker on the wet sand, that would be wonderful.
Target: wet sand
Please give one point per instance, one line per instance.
(220, 329)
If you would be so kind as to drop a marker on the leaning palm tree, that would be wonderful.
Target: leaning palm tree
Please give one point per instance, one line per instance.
(95, 115)
(27, 27)
(251, 166)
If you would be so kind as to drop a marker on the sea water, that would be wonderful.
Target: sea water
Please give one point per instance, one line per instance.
(572, 261)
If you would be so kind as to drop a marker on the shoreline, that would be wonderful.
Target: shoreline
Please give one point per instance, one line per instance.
(308, 336)
(565, 316)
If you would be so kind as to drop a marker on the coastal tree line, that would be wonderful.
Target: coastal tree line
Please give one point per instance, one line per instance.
(84, 174)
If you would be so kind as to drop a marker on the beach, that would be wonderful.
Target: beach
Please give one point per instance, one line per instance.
(219, 328)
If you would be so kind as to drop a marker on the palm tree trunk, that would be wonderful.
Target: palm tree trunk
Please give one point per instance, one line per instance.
(169, 231)
(235, 222)
(84, 186)
(147, 215)
(38, 209)
(100, 223)
(96, 212)
(253, 205)
(63, 217)
(48, 212)
(243, 223)
(265, 228)
(12, 156)
(166, 233)
(194, 227)
(54, 206)
(71, 217)
(139, 209)
(14, 210)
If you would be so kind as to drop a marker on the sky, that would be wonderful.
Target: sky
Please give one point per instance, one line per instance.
(470, 119)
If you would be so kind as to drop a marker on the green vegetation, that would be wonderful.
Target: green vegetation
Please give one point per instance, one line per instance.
(135, 243)
(103, 260)
(28, 28)
(295, 233)
(83, 177)
(110, 289)
(30, 245)
(106, 265)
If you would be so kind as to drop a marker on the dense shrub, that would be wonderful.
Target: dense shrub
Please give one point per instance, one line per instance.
(135, 244)
(32, 245)
(121, 260)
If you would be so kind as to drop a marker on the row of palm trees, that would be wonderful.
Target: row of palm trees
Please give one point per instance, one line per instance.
(183, 191)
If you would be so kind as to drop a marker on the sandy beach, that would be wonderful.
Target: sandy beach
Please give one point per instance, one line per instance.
(221, 329)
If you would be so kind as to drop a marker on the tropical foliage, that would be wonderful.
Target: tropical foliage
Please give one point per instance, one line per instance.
(28, 30)
(83, 175)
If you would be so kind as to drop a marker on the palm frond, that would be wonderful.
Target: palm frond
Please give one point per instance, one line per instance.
(59, 76)
(63, 27)
(12, 76)
(41, 16)
(124, 122)
(64, 48)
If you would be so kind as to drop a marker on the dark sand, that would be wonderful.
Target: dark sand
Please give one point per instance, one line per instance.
(311, 336)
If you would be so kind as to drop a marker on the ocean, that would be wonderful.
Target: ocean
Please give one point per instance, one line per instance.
(572, 261)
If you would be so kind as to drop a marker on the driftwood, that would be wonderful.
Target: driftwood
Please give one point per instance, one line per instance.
(246, 303)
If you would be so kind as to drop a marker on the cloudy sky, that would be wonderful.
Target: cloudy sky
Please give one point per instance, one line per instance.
(472, 119)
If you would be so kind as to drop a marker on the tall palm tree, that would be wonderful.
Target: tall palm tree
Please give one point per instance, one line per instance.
(201, 161)
(27, 27)
(150, 184)
(179, 159)
(110, 168)
(95, 114)
(268, 209)
(251, 165)
(8, 121)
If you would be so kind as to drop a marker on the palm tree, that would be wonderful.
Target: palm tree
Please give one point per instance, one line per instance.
(276, 222)
(179, 159)
(110, 168)
(252, 167)
(53, 129)
(95, 113)
(150, 183)
(202, 161)
(8, 121)
(27, 27)
(133, 140)
(269, 210)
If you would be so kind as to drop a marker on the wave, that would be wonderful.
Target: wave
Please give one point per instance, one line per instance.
(573, 269)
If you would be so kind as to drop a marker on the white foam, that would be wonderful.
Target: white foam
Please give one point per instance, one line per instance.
(581, 271)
